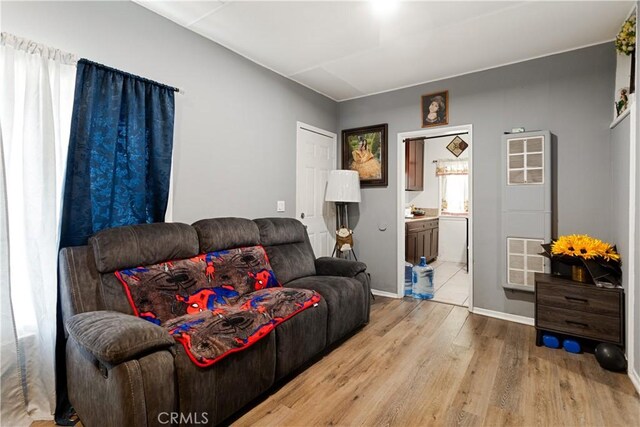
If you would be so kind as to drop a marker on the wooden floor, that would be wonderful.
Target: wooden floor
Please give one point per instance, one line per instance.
(427, 363)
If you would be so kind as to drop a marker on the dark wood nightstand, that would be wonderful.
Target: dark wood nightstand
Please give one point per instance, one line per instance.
(579, 310)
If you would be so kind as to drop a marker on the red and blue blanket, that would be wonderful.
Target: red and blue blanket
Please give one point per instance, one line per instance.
(216, 303)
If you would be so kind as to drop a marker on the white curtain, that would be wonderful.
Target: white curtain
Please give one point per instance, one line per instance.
(454, 186)
(36, 100)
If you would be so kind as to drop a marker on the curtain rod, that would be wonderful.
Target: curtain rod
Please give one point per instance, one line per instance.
(422, 138)
(106, 67)
(464, 159)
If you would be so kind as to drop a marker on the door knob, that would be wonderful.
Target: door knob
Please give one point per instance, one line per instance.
(302, 215)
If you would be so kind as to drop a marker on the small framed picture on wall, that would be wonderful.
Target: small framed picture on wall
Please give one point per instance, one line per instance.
(365, 150)
(435, 109)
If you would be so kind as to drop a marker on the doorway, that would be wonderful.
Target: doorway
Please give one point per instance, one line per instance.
(315, 158)
(446, 199)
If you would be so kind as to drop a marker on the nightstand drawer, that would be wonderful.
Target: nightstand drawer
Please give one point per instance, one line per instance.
(588, 325)
(585, 298)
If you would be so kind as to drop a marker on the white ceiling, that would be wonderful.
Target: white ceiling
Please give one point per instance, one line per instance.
(345, 50)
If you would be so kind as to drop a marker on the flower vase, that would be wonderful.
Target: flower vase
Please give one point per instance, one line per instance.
(579, 274)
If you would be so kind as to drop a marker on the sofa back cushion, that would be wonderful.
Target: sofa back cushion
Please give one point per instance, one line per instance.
(287, 244)
(143, 244)
(223, 233)
(163, 291)
(134, 245)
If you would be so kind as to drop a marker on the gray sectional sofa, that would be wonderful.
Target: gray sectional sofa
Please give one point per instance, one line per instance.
(126, 371)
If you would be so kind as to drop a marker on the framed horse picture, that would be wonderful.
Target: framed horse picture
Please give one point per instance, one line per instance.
(365, 150)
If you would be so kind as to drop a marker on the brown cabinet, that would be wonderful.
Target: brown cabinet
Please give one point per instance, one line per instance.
(577, 309)
(414, 165)
(421, 240)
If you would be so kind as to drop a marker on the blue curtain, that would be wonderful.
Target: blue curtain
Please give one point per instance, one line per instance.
(119, 159)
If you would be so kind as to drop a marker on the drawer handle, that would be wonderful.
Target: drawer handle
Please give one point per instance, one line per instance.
(582, 300)
(582, 325)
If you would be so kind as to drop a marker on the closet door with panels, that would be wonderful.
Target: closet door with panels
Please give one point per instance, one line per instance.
(526, 207)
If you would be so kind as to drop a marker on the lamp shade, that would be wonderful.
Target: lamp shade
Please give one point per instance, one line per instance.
(343, 186)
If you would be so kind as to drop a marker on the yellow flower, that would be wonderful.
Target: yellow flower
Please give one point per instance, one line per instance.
(610, 254)
(565, 245)
(584, 246)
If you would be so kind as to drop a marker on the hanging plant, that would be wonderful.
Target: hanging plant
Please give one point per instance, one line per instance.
(626, 38)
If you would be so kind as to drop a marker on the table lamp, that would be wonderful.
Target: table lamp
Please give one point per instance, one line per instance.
(343, 187)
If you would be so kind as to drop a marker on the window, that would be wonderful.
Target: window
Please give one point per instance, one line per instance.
(454, 194)
(454, 186)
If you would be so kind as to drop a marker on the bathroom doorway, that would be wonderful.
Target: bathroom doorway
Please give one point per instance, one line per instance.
(435, 209)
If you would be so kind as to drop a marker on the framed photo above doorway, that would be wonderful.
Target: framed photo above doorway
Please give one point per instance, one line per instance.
(364, 150)
(435, 109)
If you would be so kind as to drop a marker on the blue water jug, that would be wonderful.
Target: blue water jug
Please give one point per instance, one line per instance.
(422, 280)
(408, 272)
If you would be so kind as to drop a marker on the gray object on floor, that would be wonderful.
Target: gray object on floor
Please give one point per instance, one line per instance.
(123, 371)
(611, 357)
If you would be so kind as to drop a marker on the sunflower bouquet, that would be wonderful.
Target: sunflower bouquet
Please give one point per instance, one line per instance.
(601, 259)
(626, 38)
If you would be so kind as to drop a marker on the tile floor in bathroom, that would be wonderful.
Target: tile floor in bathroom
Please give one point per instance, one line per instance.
(451, 283)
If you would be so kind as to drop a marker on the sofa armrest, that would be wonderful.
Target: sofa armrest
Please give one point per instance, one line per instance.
(327, 266)
(114, 337)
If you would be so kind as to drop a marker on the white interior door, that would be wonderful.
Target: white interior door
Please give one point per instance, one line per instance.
(315, 157)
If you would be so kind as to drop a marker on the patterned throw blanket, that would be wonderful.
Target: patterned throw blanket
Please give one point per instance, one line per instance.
(216, 303)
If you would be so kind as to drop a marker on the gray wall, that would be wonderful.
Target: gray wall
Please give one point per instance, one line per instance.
(568, 94)
(235, 133)
(620, 181)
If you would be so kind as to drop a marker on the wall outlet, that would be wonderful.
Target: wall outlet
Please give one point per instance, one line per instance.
(280, 206)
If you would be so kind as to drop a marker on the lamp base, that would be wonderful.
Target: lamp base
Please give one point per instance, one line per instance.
(337, 253)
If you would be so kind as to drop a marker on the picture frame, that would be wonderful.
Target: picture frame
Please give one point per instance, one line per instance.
(365, 150)
(435, 109)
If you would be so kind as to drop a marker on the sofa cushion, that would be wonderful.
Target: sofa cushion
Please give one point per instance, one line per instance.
(300, 338)
(223, 233)
(287, 244)
(224, 388)
(345, 302)
(143, 244)
(281, 231)
(160, 292)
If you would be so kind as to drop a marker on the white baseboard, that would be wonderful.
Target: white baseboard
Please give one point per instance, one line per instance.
(384, 293)
(635, 378)
(504, 316)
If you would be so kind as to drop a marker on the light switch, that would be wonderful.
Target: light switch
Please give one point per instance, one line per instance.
(280, 206)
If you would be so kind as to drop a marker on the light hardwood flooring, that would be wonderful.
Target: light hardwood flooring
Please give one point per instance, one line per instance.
(423, 363)
(427, 363)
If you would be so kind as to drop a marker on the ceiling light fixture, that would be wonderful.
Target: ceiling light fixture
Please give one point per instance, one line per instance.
(384, 7)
